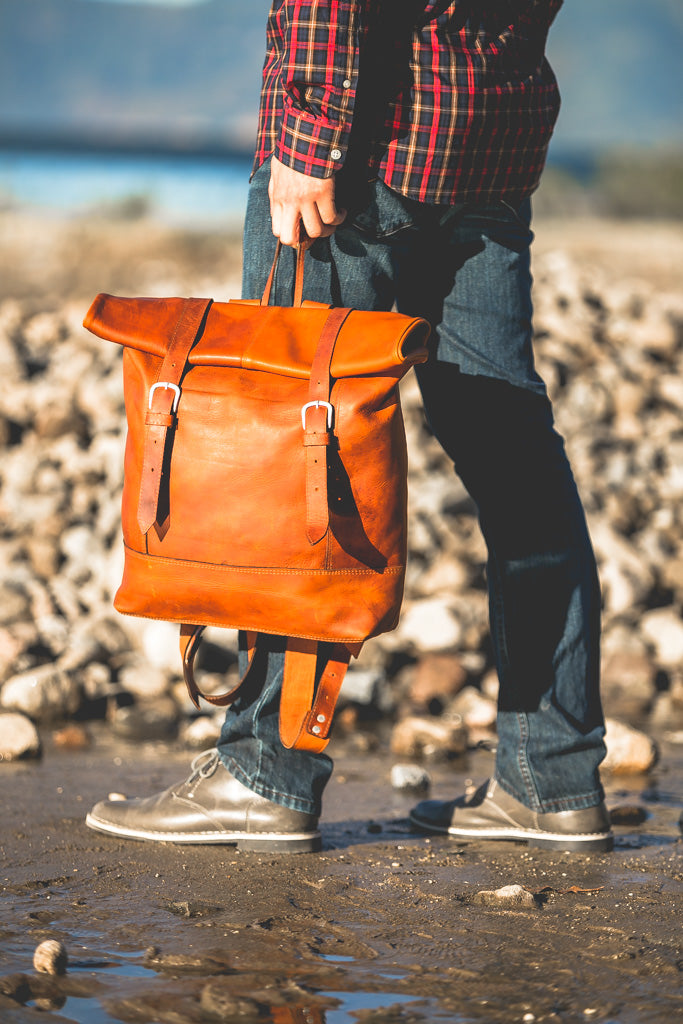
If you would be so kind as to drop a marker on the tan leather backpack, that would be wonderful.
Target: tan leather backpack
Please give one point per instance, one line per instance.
(265, 478)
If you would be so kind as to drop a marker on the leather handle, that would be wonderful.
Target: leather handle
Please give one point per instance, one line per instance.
(190, 637)
(298, 276)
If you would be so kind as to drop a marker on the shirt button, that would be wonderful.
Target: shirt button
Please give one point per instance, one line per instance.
(346, 83)
(336, 154)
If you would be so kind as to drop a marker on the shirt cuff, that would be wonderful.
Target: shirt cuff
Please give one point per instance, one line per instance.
(311, 145)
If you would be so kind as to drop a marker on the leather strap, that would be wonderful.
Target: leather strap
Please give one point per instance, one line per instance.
(298, 276)
(190, 636)
(318, 420)
(163, 401)
(306, 714)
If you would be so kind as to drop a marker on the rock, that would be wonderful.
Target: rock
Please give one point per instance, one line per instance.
(411, 777)
(201, 733)
(144, 680)
(430, 626)
(628, 684)
(158, 721)
(629, 751)
(663, 628)
(507, 896)
(14, 602)
(18, 737)
(628, 814)
(437, 676)
(476, 710)
(360, 686)
(218, 1001)
(71, 737)
(160, 645)
(51, 957)
(429, 738)
(42, 693)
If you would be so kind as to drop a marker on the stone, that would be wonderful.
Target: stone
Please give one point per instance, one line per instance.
(202, 732)
(429, 738)
(628, 684)
(51, 957)
(18, 737)
(507, 896)
(42, 693)
(71, 737)
(629, 751)
(144, 680)
(410, 777)
(437, 676)
(138, 722)
(476, 710)
(430, 626)
(361, 686)
(628, 814)
(663, 628)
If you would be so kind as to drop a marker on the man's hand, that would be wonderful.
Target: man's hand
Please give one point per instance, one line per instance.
(297, 199)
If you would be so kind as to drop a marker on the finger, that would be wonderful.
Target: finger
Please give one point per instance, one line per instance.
(288, 225)
(328, 211)
(312, 221)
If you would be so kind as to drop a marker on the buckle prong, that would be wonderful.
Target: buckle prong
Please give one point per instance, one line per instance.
(166, 385)
(316, 405)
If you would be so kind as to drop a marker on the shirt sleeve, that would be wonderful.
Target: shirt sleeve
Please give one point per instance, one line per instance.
(319, 81)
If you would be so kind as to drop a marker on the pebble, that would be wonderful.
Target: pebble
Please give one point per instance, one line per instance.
(628, 814)
(71, 737)
(629, 751)
(429, 738)
(410, 777)
(51, 957)
(18, 737)
(44, 692)
(507, 896)
(139, 723)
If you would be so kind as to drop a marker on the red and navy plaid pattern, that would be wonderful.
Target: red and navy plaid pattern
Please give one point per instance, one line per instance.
(456, 101)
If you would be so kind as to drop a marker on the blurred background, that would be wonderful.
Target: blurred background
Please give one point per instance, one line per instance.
(149, 106)
(126, 138)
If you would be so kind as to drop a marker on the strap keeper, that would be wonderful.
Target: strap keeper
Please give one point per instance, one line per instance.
(317, 439)
(159, 419)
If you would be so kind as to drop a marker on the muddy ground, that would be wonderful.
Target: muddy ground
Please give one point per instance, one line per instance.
(381, 926)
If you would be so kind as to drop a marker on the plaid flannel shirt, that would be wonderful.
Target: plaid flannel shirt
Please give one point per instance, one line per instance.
(447, 101)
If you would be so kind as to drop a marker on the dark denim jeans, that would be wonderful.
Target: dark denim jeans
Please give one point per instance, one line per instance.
(467, 270)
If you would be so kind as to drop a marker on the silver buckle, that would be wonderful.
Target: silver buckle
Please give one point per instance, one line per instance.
(316, 405)
(166, 385)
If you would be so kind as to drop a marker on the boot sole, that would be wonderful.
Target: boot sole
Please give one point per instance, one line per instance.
(590, 842)
(275, 842)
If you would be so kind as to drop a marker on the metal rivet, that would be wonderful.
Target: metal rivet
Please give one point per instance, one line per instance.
(321, 718)
(316, 729)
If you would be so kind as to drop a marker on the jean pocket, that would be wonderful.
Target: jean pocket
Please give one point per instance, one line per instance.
(386, 212)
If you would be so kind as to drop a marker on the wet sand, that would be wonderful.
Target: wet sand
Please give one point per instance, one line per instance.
(381, 926)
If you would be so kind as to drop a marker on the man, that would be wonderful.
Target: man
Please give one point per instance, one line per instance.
(401, 140)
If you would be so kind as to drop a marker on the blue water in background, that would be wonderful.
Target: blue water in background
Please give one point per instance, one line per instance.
(179, 190)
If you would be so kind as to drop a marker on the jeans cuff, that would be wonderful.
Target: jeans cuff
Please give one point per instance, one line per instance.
(294, 803)
(565, 803)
